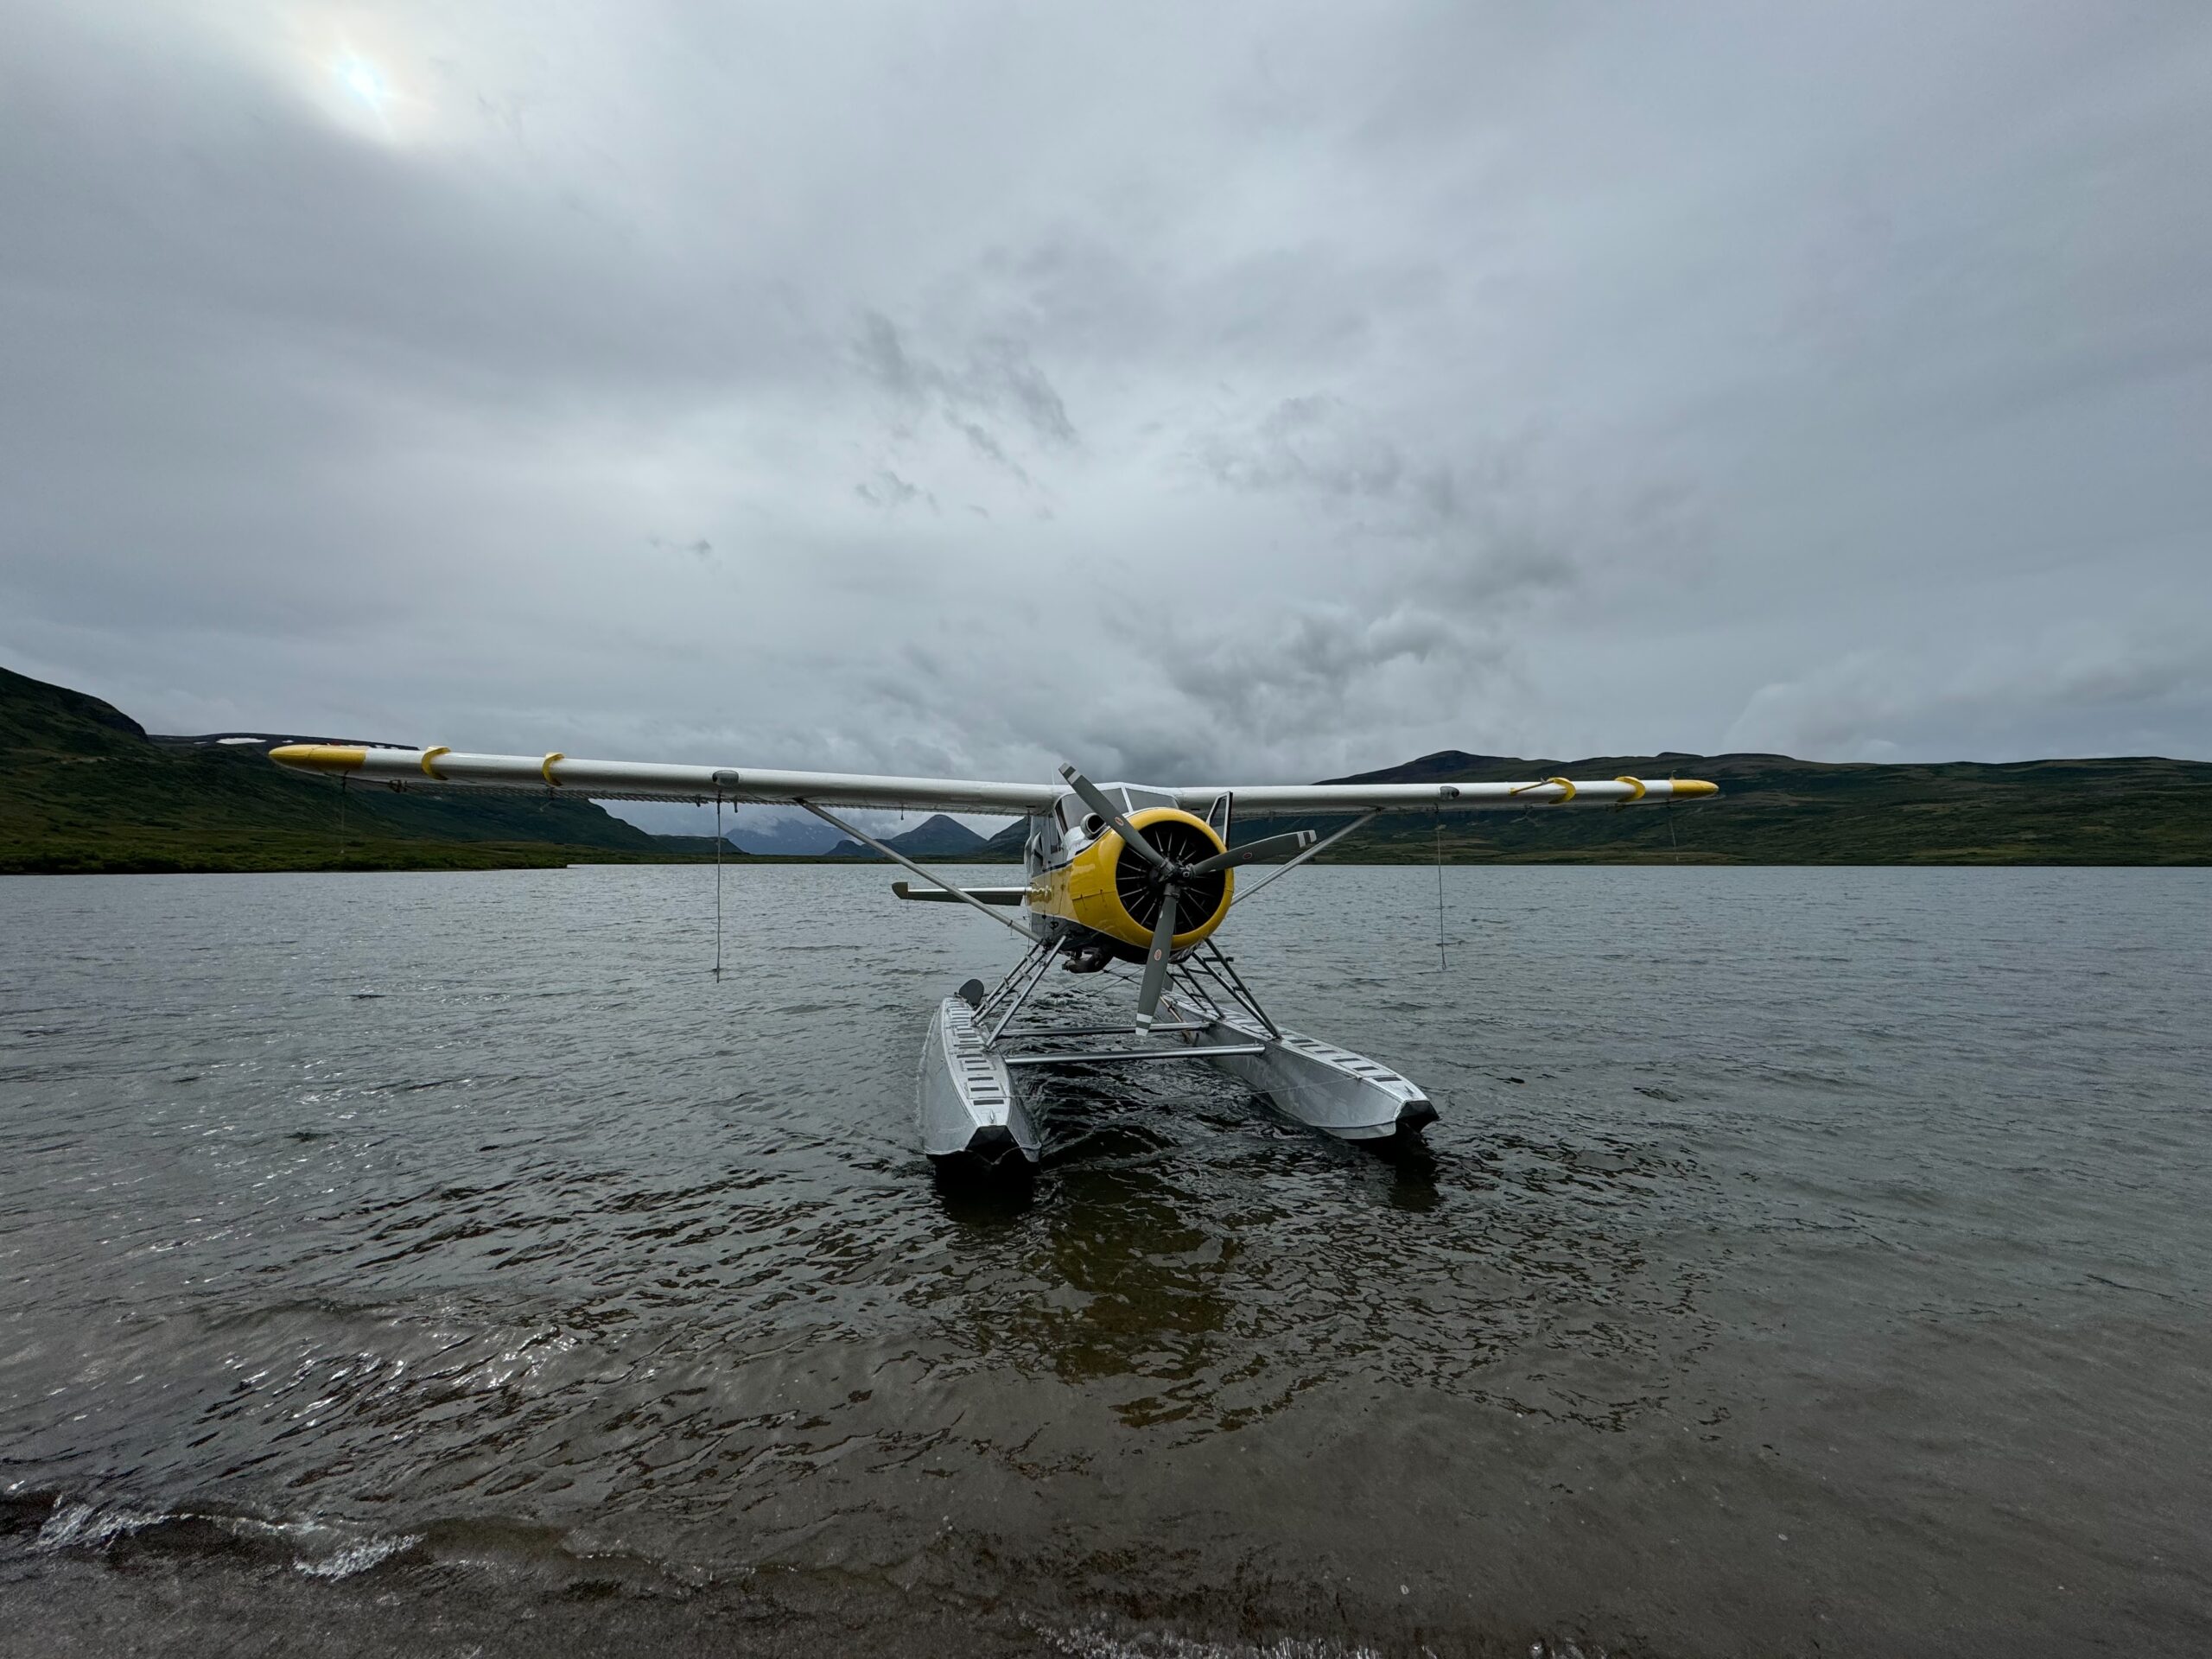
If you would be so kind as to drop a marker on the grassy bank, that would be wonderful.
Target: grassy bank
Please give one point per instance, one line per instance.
(84, 789)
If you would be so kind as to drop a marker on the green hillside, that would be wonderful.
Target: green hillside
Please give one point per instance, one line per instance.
(1773, 809)
(84, 789)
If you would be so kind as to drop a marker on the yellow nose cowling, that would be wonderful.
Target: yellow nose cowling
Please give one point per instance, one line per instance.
(1096, 888)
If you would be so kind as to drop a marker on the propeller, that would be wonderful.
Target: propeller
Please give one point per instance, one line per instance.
(1098, 800)
(1170, 876)
(1155, 959)
(1296, 841)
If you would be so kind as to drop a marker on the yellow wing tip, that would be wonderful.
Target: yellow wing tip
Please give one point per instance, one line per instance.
(1695, 787)
(319, 757)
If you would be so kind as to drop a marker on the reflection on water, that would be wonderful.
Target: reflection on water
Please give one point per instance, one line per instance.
(437, 1224)
(1413, 1166)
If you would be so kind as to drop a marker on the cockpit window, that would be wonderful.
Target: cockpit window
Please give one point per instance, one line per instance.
(1071, 814)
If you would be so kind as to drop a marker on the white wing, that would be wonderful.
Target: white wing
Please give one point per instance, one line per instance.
(630, 780)
(1286, 798)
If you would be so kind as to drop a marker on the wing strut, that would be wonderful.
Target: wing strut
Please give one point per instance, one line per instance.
(1321, 846)
(867, 840)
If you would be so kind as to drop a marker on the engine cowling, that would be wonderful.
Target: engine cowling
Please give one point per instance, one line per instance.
(1115, 892)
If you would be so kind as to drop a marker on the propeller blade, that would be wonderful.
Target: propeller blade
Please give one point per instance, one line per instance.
(1296, 841)
(1155, 960)
(1095, 800)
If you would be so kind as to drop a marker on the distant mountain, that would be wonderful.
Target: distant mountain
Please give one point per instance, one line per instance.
(785, 838)
(699, 847)
(83, 787)
(1774, 809)
(936, 837)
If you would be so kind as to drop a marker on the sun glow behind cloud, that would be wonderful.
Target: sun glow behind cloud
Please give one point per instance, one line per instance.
(359, 74)
(359, 77)
(364, 97)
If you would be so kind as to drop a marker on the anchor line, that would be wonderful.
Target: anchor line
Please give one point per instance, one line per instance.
(718, 883)
(343, 780)
(1442, 965)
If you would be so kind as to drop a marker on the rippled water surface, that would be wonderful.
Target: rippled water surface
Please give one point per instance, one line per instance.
(1806, 1261)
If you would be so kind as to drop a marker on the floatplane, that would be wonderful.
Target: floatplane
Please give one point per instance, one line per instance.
(1117, 874)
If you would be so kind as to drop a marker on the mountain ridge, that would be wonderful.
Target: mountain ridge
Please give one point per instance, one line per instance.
(84, 787)
(935, 836)
(1778, 810)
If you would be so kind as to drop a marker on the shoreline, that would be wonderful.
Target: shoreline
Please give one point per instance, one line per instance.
(496, 858)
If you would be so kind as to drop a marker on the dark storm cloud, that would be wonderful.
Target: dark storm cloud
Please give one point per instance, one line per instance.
(1252, 392)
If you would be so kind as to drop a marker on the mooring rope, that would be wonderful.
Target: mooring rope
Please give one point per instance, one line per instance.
(1442, 965)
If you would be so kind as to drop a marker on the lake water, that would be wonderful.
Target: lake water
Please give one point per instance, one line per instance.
(1807, 1261)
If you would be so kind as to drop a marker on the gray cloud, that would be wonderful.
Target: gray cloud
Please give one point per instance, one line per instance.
(996, 381)
(2068, 680)
(1312, 442)
(699, 548)
(886, 489)
(1240, 391)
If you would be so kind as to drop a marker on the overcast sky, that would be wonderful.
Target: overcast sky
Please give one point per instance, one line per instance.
(1260, 392)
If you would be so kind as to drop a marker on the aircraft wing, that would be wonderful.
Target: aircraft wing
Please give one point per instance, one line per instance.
(633, 780)
(629, 780)
(1287, 798)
